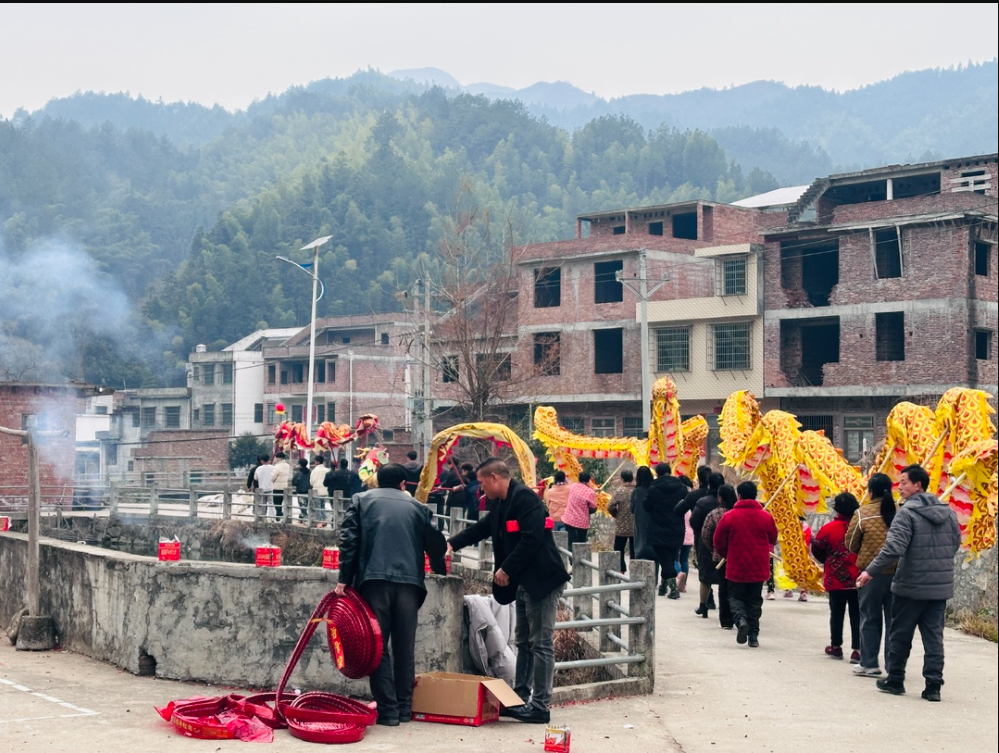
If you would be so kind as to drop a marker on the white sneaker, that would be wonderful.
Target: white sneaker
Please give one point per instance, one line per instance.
(770, 596)
(860, 671)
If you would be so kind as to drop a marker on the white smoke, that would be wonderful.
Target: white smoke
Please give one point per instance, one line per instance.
(49, 294)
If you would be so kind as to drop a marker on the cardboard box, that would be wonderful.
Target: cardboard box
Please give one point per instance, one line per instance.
(451, 698)
(169, 551)
(557, 739)
(268, 556)
(331, 558)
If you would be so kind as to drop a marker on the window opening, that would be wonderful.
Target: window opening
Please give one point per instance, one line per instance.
(890, 336)
(608, 349)
(606, 288)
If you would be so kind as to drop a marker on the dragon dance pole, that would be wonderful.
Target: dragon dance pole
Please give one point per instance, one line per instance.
(954, 484)
(781, 486)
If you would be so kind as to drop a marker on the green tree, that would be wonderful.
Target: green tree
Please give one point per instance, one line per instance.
(243, 450)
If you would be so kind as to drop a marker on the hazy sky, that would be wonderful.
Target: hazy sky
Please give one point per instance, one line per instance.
(232, 54)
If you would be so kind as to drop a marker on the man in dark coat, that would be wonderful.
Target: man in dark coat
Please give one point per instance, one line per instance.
(745, 537)
(528, 570)
(383, 538)
(923, 539)
(707, 574)
(665, 527)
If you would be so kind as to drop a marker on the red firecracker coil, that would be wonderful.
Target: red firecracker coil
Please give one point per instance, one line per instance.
(169, 551)
(331, 558)
(557, 739)
(268, 556)
(4, 524)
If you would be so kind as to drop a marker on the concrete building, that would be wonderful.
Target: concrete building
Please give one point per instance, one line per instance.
(881, 286)
(227, 386)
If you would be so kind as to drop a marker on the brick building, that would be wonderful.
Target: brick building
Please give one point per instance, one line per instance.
(361, 366)
(705, 325)
(880, 286)
(46, 407)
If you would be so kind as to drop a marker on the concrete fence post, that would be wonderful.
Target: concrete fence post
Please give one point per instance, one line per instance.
(607, 561)
(642, 603)
(192, 504)
(258, 505)
(562, 542)
(227, 503)
(452, 524)
(113, 501)
(582, 577)
(154, 501)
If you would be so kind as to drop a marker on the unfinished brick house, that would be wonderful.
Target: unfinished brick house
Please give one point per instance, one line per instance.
(705, 325)
(882, 286)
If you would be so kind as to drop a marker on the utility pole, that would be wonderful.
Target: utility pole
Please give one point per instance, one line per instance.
(643, 293)
(428, 414)
(37, 631)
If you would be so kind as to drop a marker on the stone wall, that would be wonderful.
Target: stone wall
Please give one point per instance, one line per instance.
(975, 582)
(225, 624)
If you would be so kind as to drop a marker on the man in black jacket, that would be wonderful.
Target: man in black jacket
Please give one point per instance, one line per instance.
(687, 505)
(528, 570)
(383, 537)
(666, 528)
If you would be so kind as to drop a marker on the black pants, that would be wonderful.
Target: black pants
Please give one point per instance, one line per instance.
(576, 535)
(906, 615)
(725, 618)
(665, 560)
(746, 600)
(396, 606)
(838, 603)
(279, 504)
(620, 542)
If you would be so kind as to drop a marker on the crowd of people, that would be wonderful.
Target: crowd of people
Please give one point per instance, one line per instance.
(890, 568)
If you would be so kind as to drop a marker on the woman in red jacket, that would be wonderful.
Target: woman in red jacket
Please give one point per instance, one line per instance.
(840, 576)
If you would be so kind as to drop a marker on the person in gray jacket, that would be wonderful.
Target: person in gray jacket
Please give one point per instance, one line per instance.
(923, 539)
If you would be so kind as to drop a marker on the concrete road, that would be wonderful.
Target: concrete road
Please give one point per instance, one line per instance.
(711, 696)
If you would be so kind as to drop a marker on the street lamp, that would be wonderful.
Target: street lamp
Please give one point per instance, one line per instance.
(314, 274)
(643, 293)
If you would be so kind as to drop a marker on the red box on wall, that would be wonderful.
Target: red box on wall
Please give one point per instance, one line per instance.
(331, 558)
(4, 524)
(268, 556)
(169, 551)
(426, 564)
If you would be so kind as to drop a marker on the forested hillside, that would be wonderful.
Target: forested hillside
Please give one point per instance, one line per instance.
(168, 217)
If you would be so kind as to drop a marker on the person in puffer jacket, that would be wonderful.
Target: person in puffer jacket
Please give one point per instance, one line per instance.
(745, 538)
(866, 535)
(923, 539)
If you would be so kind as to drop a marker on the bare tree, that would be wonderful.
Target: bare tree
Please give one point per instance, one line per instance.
(480, 364)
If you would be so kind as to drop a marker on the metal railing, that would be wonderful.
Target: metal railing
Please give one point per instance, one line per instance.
(605, 602)
(204, 501)
(616, 610)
